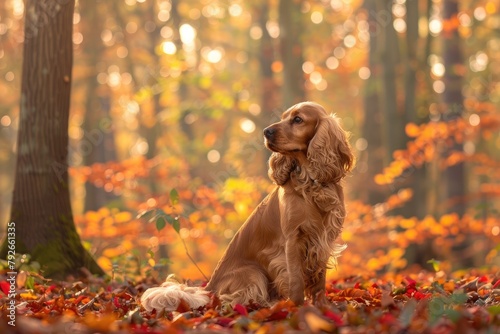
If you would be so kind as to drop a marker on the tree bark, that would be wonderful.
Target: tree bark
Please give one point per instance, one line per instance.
(455, 190)
(41, 208)
(394, 119)
(417, 180)
(416, 207)
(270, 89)
(152, 131)
(372, 158)
(269, 99)
(291, 50)
(98, 141)
(453, 100)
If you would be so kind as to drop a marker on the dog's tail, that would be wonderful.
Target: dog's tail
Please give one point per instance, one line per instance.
(169, 295)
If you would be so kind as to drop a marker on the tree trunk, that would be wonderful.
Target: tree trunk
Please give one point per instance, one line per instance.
(151, 130)
(98, 143)
(394, 119)
(416, 176)
(371, 160)
(41, 208)
(417, 181)
(291, 50)
(270, 90)
(455, 189)
(453, 99)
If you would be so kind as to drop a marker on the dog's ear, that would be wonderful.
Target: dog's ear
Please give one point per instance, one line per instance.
(280, 167)
(329, 153)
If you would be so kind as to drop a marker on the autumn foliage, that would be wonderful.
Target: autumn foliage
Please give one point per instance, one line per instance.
(207, 217)
(390, 304)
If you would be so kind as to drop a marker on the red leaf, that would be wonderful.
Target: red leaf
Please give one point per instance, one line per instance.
(410, 291)
(483, 279)
(387, 319)
(240, 309)
(279, 315)
(5, 286)
(337, 319)
(411, 282)
(224, 322)
(50, 288)
(419, 295)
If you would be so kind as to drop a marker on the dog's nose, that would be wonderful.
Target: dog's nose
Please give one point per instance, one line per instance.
(269, 132)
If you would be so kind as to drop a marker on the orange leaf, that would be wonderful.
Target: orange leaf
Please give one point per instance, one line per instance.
(412, 130)
(123, 217)
(28, 296)
(396, 253)
(410, 234)
(449, 219)
(381, 179)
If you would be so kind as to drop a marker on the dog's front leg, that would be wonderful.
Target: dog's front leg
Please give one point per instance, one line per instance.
(294, 263)
(318, 289)
(292, 215)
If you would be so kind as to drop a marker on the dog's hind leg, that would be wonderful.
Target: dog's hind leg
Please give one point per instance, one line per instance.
(244, 285)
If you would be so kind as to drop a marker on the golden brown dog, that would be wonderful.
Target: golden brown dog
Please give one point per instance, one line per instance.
(284, 247)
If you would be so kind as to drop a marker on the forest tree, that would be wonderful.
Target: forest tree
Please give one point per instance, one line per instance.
(41, 208)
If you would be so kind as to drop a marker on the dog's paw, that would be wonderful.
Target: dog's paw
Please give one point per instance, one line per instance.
(297, 297)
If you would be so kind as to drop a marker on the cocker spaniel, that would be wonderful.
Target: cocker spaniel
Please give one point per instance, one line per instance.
(286, 245)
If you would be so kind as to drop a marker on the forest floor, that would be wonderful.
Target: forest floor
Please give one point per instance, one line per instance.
(463, 302)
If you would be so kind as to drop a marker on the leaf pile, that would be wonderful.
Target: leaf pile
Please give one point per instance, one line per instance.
(424, 302)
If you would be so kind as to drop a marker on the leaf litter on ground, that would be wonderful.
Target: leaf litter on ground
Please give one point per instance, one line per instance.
(466, 302)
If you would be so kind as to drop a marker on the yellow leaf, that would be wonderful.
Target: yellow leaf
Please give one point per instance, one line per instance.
(410, 234)
(28, 296)
(437, 230)
(106, 322)
(123, 217)
(317, 324)
(104, 263)
(92, 216)
(449, 286)
(347, 236)
(407, 223)
(381, 179)
(112, 252)
(449, 219)
(396, 253)
(108, 221)
(429, 222)
(373, 264)
(405, 194)
(126, 245)
(399, 263)
(412, 130)
(103, 212)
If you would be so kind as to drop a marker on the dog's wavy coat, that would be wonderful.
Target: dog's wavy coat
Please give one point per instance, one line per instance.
(285, 246)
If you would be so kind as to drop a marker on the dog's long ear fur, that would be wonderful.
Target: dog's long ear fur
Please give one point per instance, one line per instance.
(280, 167)
(329, 153)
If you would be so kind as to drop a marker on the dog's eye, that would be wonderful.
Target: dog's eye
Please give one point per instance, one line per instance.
(297, 120)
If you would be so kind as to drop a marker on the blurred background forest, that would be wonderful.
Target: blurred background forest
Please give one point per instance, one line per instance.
(175, 94)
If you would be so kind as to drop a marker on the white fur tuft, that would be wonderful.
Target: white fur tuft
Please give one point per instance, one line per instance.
(169, 295)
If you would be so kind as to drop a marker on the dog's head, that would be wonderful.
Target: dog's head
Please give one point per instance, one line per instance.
(307, 131)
